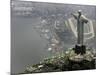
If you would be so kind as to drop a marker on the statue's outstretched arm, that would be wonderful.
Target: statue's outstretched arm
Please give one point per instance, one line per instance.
(84, 18)
(75, 15)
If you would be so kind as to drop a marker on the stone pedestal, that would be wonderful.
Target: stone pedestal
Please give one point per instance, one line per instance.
(80, 49)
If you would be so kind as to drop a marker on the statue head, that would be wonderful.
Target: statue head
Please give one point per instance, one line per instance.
(79, 12)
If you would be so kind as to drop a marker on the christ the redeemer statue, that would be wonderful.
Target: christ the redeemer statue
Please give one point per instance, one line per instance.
(81, 19)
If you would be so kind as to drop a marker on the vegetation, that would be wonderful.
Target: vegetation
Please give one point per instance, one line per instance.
(68, 61)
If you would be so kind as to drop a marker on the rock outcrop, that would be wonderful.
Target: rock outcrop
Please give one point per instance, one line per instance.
(68, 61)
